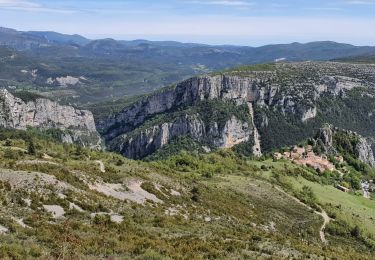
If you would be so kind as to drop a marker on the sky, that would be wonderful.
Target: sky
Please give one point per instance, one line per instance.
(237, 22)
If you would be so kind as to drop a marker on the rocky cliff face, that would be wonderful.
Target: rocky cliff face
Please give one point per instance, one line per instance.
(365, 153)
(78, 125)
(327, 137)
(288, 89)
(147, 141)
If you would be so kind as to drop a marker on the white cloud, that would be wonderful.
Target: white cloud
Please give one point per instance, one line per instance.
(360, 2)
(324, 9)
(31, 6)
(17, 3)
(224, 3)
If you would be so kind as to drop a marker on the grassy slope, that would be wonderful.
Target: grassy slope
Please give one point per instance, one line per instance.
(348, 210)
(355, 208)
(229, 215)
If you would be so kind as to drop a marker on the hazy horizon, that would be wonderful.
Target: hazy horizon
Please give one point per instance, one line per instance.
(157, 39)
(218, 22)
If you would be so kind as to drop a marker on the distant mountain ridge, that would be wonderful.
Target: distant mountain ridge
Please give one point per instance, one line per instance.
(78, 70)
(320, 50)
(61, 38)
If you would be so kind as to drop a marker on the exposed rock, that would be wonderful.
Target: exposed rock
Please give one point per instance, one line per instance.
(149, 140)
(309, 114)
(20, 222)
(325, 135)
(3, 229)
(65, 81)
(364, 152)
(292, 90)
(132, 192)
(56, 210)
(234, 132)
(257, 151)
(189, 92)
(44, 113)
(75, 207)
(28, 180)
(117, 218)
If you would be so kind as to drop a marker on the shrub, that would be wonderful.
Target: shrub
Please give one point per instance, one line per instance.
(11, 154)
(355, 232)
(31, 148)
(195, 194)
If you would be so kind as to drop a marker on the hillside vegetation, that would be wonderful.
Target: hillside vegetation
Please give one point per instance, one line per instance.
(64, 201)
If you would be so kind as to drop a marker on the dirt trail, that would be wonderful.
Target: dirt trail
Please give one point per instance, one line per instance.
(323, 214)
(326, 219)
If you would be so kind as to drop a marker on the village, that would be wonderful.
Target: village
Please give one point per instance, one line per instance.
(305, 156)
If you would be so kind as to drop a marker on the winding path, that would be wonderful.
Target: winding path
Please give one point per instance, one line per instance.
(326, 219)
(323, 214)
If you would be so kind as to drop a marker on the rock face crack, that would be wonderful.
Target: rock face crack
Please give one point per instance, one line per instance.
(257, 151)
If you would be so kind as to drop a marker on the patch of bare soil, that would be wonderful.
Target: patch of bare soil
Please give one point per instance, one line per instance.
(132, 191)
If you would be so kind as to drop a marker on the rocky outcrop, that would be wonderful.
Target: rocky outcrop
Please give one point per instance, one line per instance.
(325, 139)
(44, 113)
(362, 150)
(288, 90)
(144, 142)
(188, 93)
(260, 89)
(66, 81)
(310, 113)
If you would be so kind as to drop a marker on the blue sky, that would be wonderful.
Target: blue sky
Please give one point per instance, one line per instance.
(241, 22)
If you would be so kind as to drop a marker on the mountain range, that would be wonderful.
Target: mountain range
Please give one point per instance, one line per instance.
(172, 50)
(113, 69)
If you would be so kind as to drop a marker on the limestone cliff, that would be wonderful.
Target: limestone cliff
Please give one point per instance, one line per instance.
(334, 140)
(365, 153)
(147, 141)
(78, 125)
(289, 90)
